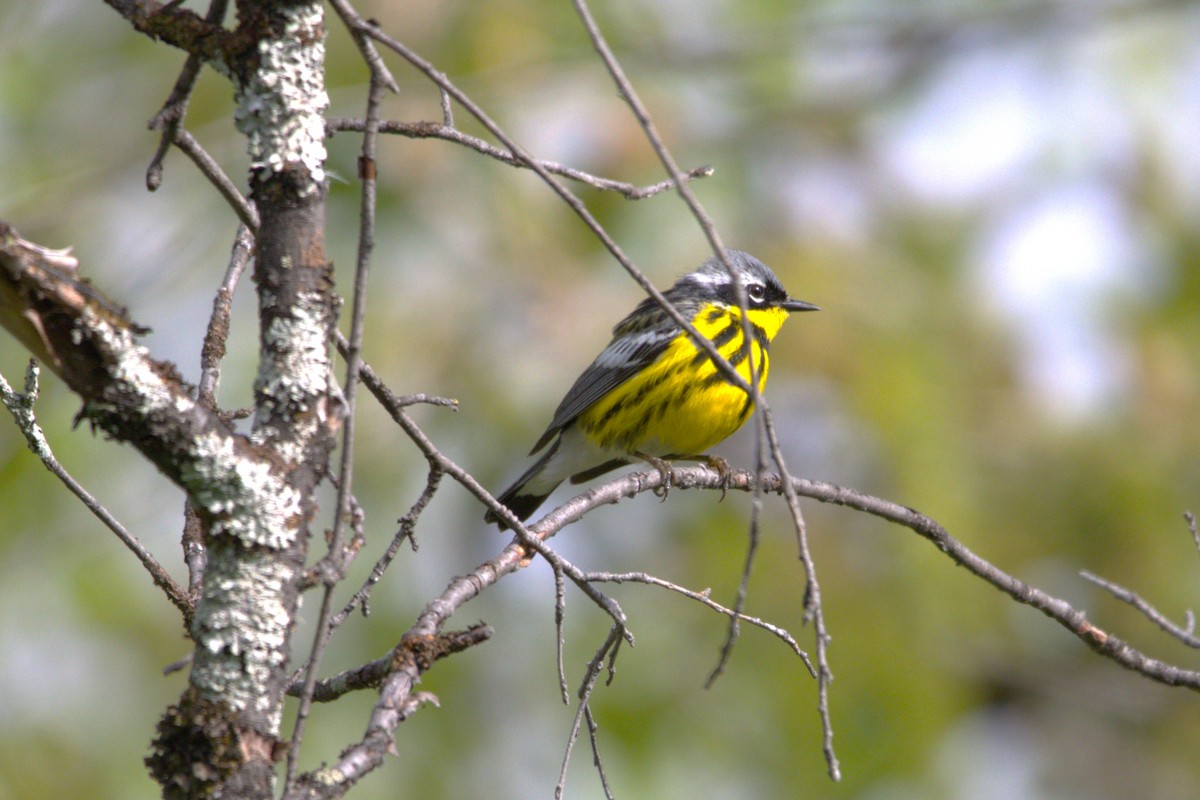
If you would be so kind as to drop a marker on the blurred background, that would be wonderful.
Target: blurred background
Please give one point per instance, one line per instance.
(993, 202)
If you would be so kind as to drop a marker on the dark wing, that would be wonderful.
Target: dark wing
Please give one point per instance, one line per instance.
(637, 341)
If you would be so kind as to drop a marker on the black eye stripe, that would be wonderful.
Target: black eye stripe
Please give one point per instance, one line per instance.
(756, 293)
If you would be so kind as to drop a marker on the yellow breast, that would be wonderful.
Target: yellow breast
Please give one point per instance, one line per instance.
(681, 405)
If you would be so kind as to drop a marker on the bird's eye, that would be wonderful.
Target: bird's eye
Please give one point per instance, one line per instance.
(756, 292)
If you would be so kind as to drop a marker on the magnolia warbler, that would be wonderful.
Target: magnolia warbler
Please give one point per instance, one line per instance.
(653, 394)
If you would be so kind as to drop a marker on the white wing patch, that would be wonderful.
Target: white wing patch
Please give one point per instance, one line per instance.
(630, 350)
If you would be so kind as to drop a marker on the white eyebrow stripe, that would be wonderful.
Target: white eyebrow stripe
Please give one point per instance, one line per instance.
(709, 278)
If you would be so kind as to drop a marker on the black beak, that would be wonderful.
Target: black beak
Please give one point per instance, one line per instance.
(791, 304)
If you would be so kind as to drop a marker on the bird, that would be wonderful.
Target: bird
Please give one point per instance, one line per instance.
(654, 395)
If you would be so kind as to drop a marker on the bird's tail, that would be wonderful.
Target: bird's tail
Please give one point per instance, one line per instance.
(528, 492)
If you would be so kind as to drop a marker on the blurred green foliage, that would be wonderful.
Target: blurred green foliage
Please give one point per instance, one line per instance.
(942, 374)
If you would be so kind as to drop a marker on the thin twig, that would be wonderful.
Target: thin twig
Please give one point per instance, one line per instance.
(590, 675)
(813, 607)
(20, 405)
(420, 398)
(394, 400)
(705, 598)
(379, 71)
(398, 700)
(734, 631)
(209, 167)
(1183, 634)
(560, 614)
(526, 538)
(627, 93)
(406, 532)
(212, 350)
(597, 761)
(331, 568)
(358, 310)
(447, 132)
(170, 116)
(366, 245)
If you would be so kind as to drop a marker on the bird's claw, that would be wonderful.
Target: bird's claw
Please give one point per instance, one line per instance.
(664, 473)
(724, 473)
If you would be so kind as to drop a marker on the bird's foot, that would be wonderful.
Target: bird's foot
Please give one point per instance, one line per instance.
(664, 471)
(724, 473)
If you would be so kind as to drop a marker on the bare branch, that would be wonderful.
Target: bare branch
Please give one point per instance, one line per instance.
(212, 170)
(705, 598)
(446, 132)
(1057, 609)
(814, 609)
(93, 346)
(739, 604)
(608, 649)
(703, 343)
(560, 639)
(254, 493)
(526, 540)
(399, 675)
(406, 532)
(170, 117)
(629, 95)
(461, 590)
(420, 398)
(597, 761)
(366, 246)
(1185, 635)
(379, 71)
(213, 348)
(176, 26)
(20, 405)
(398, 700)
